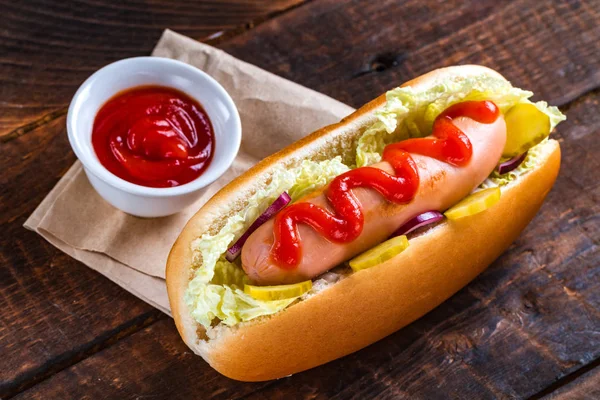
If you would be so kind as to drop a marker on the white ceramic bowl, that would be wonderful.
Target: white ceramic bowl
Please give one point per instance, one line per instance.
(124, 74)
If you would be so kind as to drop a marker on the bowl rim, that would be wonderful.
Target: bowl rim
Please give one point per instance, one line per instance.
(93, 165)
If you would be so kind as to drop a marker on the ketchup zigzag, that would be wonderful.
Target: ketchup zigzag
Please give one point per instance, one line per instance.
(449, 144)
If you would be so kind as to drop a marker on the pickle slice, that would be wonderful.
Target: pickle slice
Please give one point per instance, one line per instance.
(380, 253)
(279, 292)
(475, 203)
(526, 126)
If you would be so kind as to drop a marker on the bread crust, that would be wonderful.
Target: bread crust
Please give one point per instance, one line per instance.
(370, 304)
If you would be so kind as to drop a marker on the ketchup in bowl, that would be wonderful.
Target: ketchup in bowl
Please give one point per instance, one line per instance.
(153, 136)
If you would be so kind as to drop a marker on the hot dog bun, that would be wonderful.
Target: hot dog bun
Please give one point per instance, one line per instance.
(365, 306)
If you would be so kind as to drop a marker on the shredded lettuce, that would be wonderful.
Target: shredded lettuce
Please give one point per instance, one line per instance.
(216, 288)
(215, 291)
(410, 112)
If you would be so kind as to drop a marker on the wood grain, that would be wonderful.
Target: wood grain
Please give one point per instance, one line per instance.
(585, 387)
(527, 323)
(55, 311)
(48, 48)
(532, 318)
(354, 50)
(156, 365)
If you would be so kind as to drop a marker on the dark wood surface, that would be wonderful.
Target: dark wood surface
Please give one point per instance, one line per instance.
(529, 327)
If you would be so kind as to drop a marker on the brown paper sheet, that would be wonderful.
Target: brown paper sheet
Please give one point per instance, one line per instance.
(132, 251)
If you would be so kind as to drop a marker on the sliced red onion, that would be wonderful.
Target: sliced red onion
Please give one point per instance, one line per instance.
(234, 251)
(511, 164)
(420, 220)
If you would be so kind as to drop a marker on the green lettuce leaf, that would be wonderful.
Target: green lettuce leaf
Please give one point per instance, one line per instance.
(216, 289)
(410, 112)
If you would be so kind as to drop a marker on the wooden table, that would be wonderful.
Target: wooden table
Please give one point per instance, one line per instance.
(529, 327)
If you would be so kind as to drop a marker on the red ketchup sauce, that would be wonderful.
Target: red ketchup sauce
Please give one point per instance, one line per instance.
(153, 136)
(449, 144)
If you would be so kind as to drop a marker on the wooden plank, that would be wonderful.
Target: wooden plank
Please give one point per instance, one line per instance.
(153, 362)
(521, 39)
(47, 297)
(355, 50)
(585, 387)
(532, 318)
(346, 44)
(55, 311)
(48, 48)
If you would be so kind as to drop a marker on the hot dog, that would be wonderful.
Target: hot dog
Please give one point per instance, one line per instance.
(412, 150)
